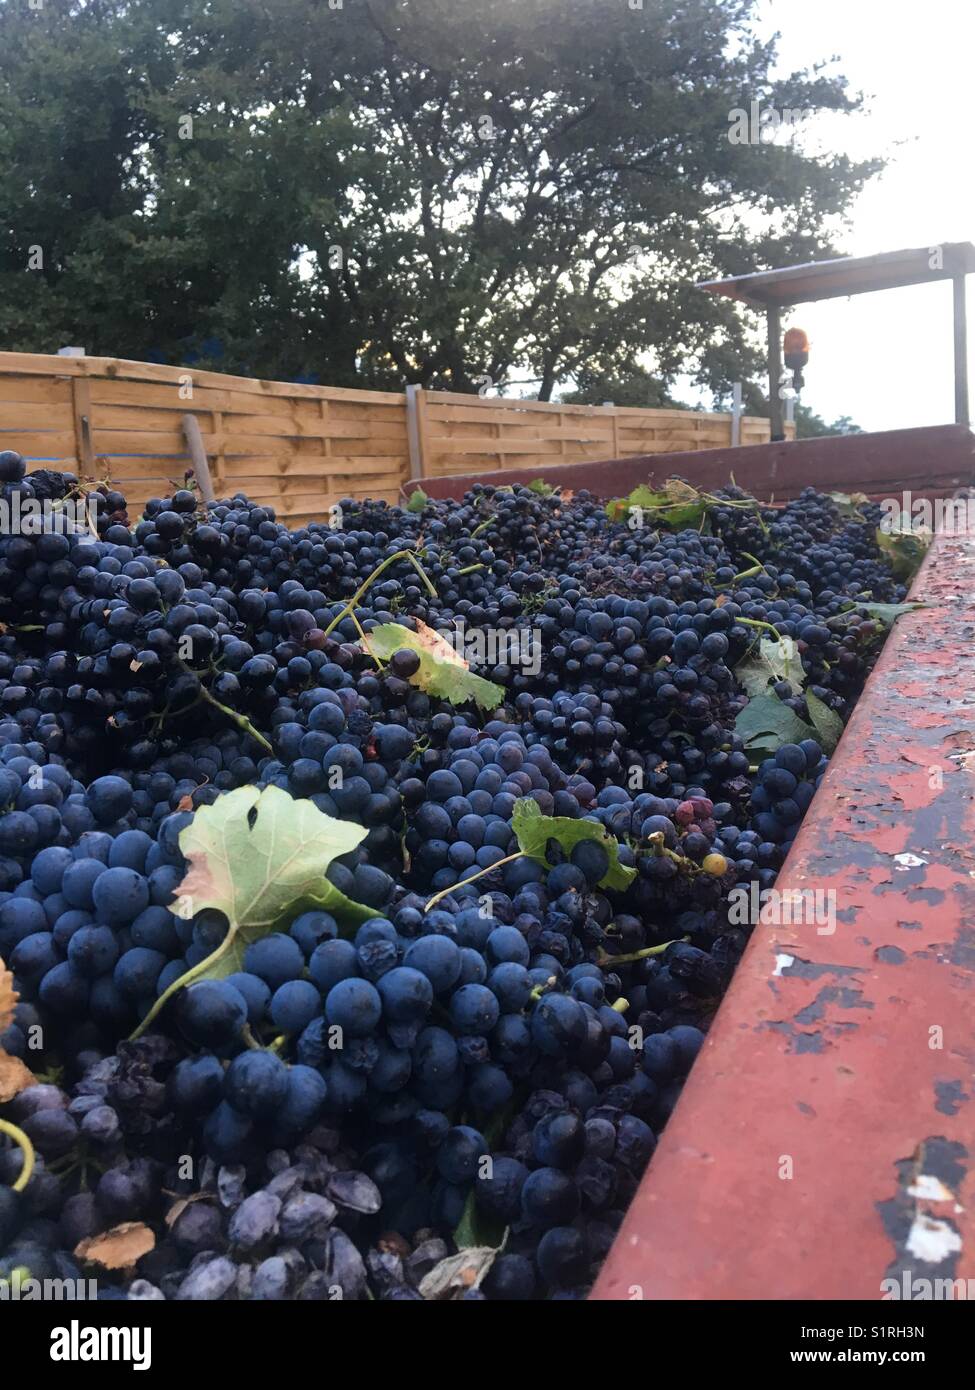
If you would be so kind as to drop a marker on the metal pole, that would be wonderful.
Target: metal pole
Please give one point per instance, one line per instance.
(775, 370)
(413, 433)
(961, 350)
(736, 415)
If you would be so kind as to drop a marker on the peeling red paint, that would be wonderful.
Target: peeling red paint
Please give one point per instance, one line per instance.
(829, 1063)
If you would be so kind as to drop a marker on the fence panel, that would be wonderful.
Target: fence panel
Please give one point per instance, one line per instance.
(298, 447)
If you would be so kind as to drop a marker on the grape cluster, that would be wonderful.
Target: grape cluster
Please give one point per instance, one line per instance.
(500, 1041)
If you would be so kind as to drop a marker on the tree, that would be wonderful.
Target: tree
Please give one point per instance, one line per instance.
(811, 426)
(636, 387)
(386, 192)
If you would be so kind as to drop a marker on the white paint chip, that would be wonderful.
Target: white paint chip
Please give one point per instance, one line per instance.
(930, 1189)
(908, 861)
(782, 963)
(932, 1240)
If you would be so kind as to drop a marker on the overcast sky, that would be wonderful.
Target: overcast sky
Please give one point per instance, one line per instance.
(886, 359)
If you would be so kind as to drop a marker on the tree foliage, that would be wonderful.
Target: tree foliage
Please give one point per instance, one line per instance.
(392, 192)
(809, 425)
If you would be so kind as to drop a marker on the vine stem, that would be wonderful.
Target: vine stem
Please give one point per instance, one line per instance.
(26, 1148)
(422, 573)
(371, 579)
(192, 974)
(747, 574)
(362, 636)
(444, 892)
(604, 961)
(757, 622)
(240, 720)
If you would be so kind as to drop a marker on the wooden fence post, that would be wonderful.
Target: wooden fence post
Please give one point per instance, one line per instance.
(736, 415)
(609, 405)
(81, 411)
(415, 430)
(201, 468)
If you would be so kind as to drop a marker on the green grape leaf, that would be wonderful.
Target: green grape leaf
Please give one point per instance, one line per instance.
(904, 550)
(849, 503)
(771, 661)
(259, 857)
(542, 488)
(476, 1230)
(766, 723)
(887, 613)
(442, 671)
(418, 500)
(533, 830)
(678, 506)
(829, 725)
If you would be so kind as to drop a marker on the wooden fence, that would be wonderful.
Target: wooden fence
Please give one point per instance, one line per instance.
(471, 434)
(298, 447)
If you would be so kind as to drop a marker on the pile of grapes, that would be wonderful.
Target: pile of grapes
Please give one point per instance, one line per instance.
(334, 967)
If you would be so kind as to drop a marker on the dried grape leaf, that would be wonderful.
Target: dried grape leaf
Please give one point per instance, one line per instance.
(8, 997)
(451, 1278)
(181, 1203)
(14, 1077)
(120, 1248)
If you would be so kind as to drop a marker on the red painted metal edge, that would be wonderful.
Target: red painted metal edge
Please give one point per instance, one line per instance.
(825, 1140)
(932, 461)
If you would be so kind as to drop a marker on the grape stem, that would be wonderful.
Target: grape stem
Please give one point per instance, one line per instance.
(539, 990)
(240, 720)
(371, 579)
(187, 979)
(604, 961)
(757, 622)
(26, 1148)
(422, 573)
(444, 892)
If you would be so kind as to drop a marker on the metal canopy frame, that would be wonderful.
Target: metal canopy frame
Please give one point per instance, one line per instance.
(774, 290)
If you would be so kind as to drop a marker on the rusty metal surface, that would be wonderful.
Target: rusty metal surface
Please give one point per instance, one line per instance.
(932, 461)
(825, 1141)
